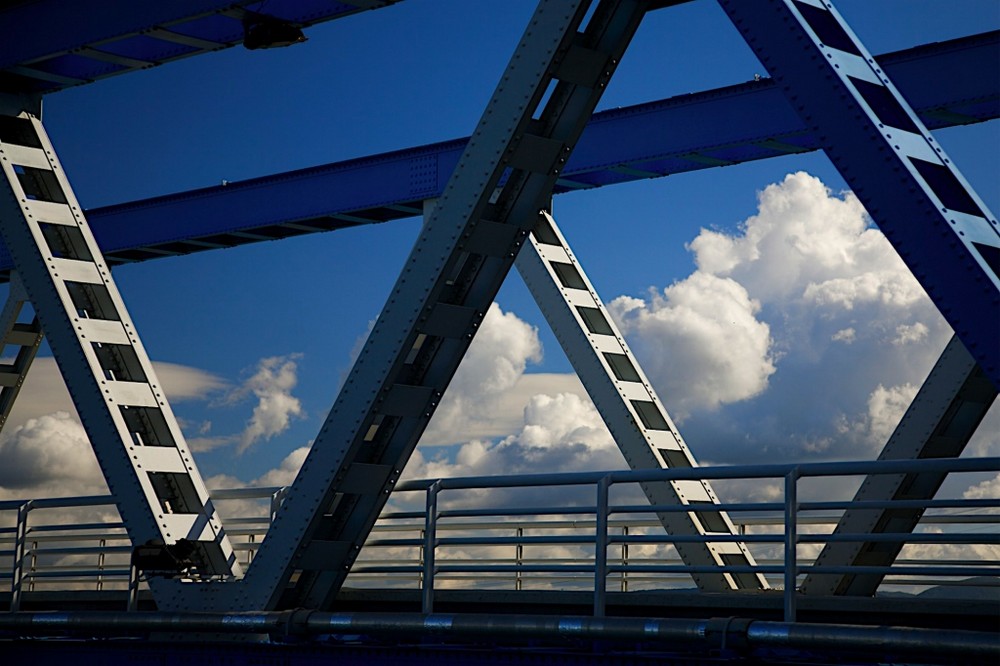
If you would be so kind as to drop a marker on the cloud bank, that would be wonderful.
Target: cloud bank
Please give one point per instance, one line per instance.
(801, 335)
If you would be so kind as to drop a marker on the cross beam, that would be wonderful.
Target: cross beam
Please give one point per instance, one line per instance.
(618, 146)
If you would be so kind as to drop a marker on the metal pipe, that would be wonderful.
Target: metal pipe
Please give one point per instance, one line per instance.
(944, 646)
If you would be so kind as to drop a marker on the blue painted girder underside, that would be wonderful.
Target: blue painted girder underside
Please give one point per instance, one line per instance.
(49, 45)
(730, 125)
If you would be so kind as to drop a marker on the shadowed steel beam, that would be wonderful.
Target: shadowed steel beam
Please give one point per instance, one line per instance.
(937, 223)
(86, 40)
(451, 277)
(739, 123)
(938, 424)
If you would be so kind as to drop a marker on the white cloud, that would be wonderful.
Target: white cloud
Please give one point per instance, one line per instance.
(559, 433)
(182, 382)
(909, 334)
(822, 316)
(44, 391)
(282, 475)
(989, 489)
(48, 456)
(285, 472)
(701, 339)
(491, 369)
(272, 385)
(845, 335)
(885, 408)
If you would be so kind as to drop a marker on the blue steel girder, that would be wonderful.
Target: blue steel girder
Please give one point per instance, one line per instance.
(49, 45)
(933, 218)
(735, 124)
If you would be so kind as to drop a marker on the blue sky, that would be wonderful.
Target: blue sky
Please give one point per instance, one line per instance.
(421, 72)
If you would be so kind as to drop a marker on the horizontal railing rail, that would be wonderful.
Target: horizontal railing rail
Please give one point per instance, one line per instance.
(447, 537)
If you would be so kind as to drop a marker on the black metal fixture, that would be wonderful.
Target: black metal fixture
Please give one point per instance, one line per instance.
(173, 560)
(261, 31)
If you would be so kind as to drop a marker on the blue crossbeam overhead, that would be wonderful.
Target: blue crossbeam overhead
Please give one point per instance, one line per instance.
(726, 126)
(94, 39)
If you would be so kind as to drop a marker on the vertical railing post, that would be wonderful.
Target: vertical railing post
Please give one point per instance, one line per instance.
(33, 568)
(518, 558)
(20, 538)
(601, 547)
(420, 560)
(103, 543)
(133, 585)
(791, 541)
(430, 543)
(624, 584)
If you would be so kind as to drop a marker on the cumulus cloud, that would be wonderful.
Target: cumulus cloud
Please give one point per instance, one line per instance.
(44, 448)
(702, 339)
(784, 340)
(48, 456)
(885, 408)
(44, 391)
(491, 369)
(272, 385)
(282, 475)
(285, 472)
(559, 433)
(989, 489)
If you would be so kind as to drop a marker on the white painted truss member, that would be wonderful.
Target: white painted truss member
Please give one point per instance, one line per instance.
(629, 405)
(146, 463)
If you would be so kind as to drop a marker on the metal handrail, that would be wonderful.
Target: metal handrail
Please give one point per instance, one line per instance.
(443, 534)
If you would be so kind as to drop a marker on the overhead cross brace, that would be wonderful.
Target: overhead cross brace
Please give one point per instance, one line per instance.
(737, 123)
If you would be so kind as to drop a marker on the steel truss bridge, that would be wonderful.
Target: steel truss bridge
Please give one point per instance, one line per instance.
(639, 580)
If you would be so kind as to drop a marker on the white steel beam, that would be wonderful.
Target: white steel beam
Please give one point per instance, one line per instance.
(938, 424)
(461, 258)
(147, 465)
(629, 405)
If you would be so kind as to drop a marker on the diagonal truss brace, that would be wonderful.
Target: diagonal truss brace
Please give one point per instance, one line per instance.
(139, 445)
(629, 405)
(465, 250)
(938, 424)
(939, 226)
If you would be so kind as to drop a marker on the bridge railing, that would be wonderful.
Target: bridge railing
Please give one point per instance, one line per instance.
(583, 531)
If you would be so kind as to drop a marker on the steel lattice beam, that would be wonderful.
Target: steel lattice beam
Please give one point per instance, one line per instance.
(939, 226)
(629, 405)
(938, 424)
(159, 493)
(95, 39)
